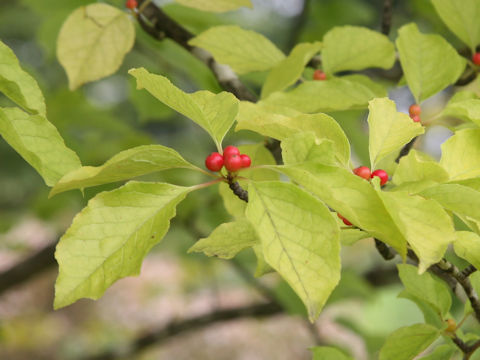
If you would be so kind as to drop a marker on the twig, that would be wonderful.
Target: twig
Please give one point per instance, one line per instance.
(159, 25)
(158, 336)
(387, 16)
(384, 250)
(238, 190)
(406, 149)
(25, 270)
(469, 270)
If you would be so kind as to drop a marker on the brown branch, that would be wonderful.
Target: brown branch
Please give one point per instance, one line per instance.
(406, 149)
(159, 25)
(470, 269)
(28, 268)
(387, 16)
(174, 328)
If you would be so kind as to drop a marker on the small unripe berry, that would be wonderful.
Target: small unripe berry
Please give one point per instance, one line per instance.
(319, 75)
(230, 150)
(382, 174)
(414, 110)
(214, 162)
(131, 4)
(363, 172)
(345, 221)
(246, 161)
(416, 118)
(233, 162)
(476, 58)
(451, 325)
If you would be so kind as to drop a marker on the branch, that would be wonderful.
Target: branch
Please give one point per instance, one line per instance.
(406, 149)
(238, 190)
(387, 16)
(173, 328)
(159, 25)
(32, 266)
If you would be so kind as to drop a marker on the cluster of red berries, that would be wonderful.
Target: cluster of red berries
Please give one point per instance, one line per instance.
(414, 111)
(231, 159)
(364, 172)
(476, 58)
(131, 4)
(319, 75)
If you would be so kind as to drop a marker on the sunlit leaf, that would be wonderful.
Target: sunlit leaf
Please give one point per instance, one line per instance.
(328, 353)
(467, 246)
(468, 109)
(305, 147)
(299, 237)
(414, 168)
(461, 154)
(93, 42)
(110, 237)
(216, 5)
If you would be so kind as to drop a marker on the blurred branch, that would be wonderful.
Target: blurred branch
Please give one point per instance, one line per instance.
(175, 327)
(26, 269)
(298, 25)
(159, 25)
(406, 149)
(387, 16)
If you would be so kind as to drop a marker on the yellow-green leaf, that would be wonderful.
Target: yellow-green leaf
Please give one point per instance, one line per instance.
(356, 48)
(17, 84)
(227, 240)
(389, 130)
(299, 237)
(468, 109)
(461, 154)
(93, 42)
(414, 168)
(216, 5)
(305, 147)
(110, 237)
(244, 50)
(467, 246)
(289, 70)
(39, 143)
(215, 113)
(126, 164)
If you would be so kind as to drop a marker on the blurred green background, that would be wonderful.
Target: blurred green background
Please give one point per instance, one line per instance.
(105, 117)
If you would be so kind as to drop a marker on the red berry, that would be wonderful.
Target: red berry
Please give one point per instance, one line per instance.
(363, 172)
(246, 161)
(414, 110)
(131, 4)
(416, 118)
(382, 174)
(230, 150)
(319, 75)
(214, 162)
(476, 58)
(345, 221)
(233, 162)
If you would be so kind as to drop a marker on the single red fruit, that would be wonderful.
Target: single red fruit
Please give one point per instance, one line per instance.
(382, 174)
(363, 172)
(214, 162)
(131, 4)
(476, 58)
(230, 150)
(416, 118)
(414, 110)
(246, 161)
(233, 162)
(345, 221)
(319, 75)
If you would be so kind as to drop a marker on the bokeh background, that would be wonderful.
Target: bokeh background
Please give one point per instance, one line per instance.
(105, 117)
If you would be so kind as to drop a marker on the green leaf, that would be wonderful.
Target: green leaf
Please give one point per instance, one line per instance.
(424, 223)
(17, 84)
(305, 147)
(216, 5)
(215, 113)
(426, 287)
(461, 18)
(467, 246)
(429, 62)
(93, 42)
(39, 143)
(351, 196)
(335, 94)
(414, 168)
(328, 353)
(409, 341)
(258, 118)
(127, 164)
(299, 237)
(356, 48)
(227, 240)
(430, 314)
(442, 352)
(289, 70)
(244, 50)
(262, 266)
(461, 154)
(389, 130)
(468, 110)
(351, 236)
(110, 237)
